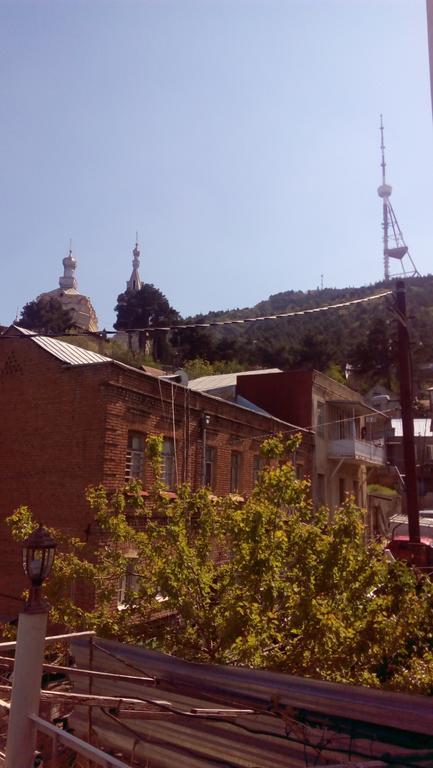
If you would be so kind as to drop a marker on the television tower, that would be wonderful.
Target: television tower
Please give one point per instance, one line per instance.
(391, 230)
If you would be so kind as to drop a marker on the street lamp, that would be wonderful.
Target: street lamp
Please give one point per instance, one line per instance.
(38, 556)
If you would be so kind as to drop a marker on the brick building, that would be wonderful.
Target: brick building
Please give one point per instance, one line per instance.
(348, 432)
(72, 418)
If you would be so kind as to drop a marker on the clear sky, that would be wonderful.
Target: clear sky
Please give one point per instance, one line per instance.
(239, 137)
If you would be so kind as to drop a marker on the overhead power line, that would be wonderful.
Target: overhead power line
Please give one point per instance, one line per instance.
(219, 323)
(240, 321)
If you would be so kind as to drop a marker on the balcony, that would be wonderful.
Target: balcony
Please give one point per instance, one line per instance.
(354, 450)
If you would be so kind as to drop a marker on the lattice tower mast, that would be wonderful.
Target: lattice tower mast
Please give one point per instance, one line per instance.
(391, 229)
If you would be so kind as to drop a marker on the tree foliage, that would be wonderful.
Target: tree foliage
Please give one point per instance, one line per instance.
(271, 582)
(363, 335)
(46, 315)
(143, 309)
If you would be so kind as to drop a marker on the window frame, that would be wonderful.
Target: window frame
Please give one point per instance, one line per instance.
(320, 418)
(209, 462)
(134, 461)
(235, 471)
(168, 459)
(128, 580)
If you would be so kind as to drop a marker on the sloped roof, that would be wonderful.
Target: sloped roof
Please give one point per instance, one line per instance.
(251, 406)
(218, 381)
(67, 353)
(219, 715)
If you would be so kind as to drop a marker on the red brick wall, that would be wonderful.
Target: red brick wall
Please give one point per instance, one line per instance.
(288, 395)
(142, 404)
(51, 443)
(66, 427)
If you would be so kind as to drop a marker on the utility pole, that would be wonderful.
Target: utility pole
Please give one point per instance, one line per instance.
(412, 549)
(406, 399)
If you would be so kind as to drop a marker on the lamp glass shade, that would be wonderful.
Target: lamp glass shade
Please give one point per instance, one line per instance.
(38, 555)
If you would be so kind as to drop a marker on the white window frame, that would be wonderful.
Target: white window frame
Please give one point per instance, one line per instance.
(134, 464)
(235, 471)
(168, 462)
(128, 581)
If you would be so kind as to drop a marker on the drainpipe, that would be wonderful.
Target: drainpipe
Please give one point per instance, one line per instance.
(205, 421)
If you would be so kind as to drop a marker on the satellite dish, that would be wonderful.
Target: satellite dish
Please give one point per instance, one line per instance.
(182, 377)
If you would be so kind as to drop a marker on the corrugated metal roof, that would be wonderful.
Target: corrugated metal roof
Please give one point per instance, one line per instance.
(421, 427)
(220, 380)
(67, 353)
(295, 722)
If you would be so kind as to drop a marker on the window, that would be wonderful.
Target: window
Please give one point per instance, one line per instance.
(258, 464)
(299, 469)
(128, 581)
(320, 419)
(134, 456)
(235, 471)
(356, 490)
(209, 466)
(168, 462)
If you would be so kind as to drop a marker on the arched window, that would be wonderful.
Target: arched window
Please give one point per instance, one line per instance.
(134, 456)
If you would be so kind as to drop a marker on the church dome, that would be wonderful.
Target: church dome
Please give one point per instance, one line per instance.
(80, 306)
(69, 262)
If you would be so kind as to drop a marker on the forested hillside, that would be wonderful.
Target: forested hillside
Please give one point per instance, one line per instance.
(362, 335)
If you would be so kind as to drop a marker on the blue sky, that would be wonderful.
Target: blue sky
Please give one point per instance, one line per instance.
(239, 137)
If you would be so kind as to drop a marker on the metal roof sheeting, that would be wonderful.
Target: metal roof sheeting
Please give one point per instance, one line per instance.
(218, 381)
(421, 427)
(62, 350)
(295, 722)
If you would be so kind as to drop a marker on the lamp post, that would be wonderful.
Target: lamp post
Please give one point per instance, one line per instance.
(38, 557)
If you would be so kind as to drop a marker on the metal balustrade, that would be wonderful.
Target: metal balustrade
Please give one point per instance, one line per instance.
(357, 450)
(95, 756)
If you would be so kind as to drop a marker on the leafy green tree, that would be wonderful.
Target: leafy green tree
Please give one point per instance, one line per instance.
(271, 582)
(46, 315)
(143, 309)
(334, 372)
(192, 343)
(376, 357)
(199, 367)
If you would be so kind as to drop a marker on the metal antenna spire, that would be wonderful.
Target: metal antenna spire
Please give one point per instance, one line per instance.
(390, 225)
(382, 147)
(384, 192)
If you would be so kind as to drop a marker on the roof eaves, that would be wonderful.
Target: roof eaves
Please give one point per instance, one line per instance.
(249, 410)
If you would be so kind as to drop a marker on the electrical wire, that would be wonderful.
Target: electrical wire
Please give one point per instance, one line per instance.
(218, 323)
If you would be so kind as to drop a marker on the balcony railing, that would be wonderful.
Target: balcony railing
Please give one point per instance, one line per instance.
(357, 450)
